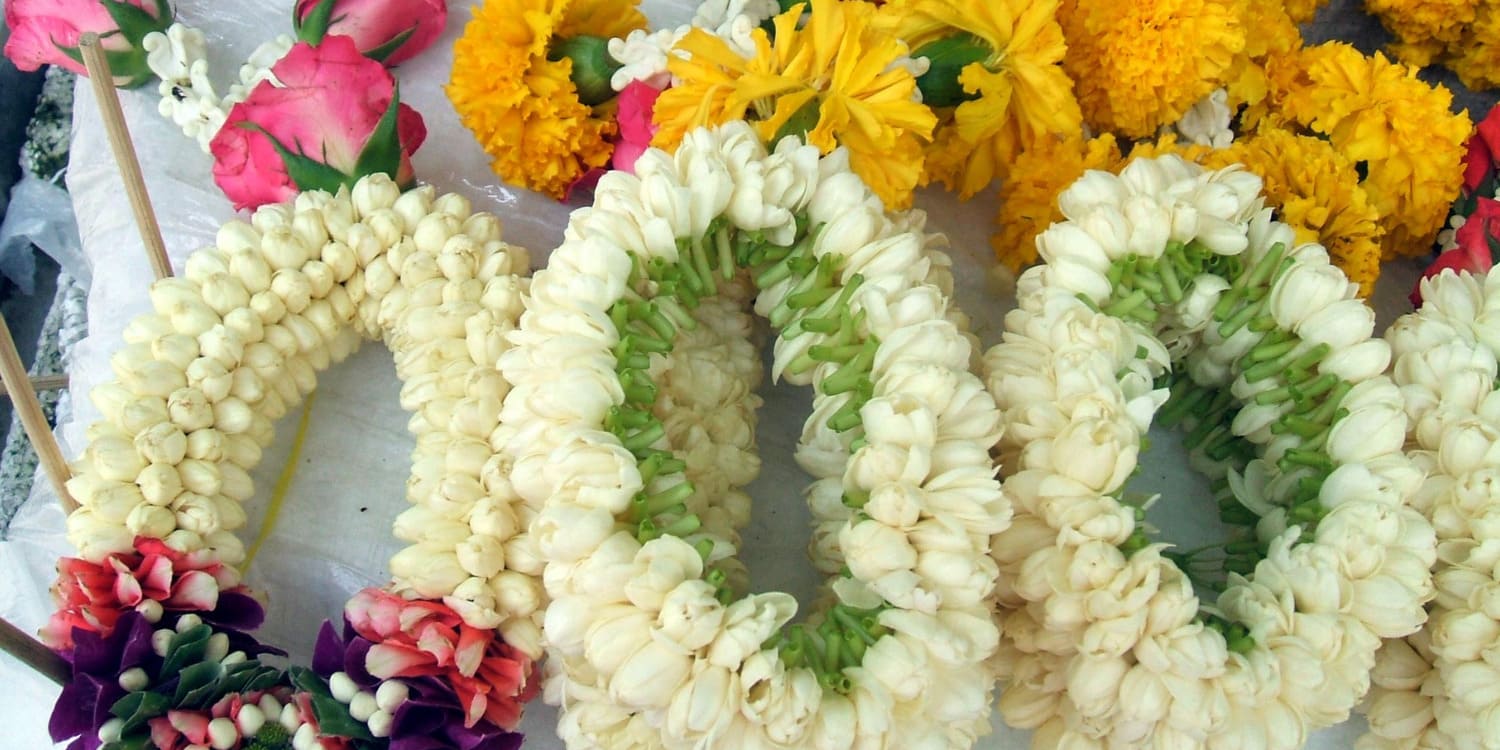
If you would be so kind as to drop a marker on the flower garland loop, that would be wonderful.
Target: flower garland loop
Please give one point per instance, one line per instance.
(636, 450)
(1437, 688)
(152, 614)
(1169, 294)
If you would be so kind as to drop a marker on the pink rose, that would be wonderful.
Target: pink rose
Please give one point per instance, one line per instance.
(1478, 240)
(637, 102)
(388, 31)
(335, 117)
(46, 32)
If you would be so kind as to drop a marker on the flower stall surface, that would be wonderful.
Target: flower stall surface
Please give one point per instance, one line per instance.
(329, 538)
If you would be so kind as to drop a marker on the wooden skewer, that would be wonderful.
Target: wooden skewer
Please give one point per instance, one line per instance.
(41, 383)
(119, 142)
(32, 653)
(13, 375)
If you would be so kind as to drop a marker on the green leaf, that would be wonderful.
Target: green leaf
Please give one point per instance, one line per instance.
(333, 718)
(264, 680)
(315, 27)
(186, 648)
(193, 679)
(306, 173)
(382, 153)
(137, 708)
(138, 742)
(379, 54)
(135, 23)
(308, 681)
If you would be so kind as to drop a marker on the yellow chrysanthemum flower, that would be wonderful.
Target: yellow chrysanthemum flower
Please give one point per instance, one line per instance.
(832, 78)
(1028, 200)
(1300, 11)
(1316, 191)
(1477, 61)
(1140, 64)
(1381, 117)
(1423, 28)
(1016, 91)
(524, 107)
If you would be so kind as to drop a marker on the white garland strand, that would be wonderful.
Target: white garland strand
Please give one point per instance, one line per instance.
(180, 59)
(1441, 688)
(237, 340)
(1104, 648)
(641, 652)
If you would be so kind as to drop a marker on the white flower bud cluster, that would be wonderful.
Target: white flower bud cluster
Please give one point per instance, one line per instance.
(1437, 688)
(643, 54)
(1102, 647)
(179, 58)
(642, 653)
(237, 340)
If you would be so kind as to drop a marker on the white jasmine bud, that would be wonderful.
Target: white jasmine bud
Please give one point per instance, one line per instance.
(134, 679)
(381, 722)
(343, 687)
(251, 718)
(289, 719)
(151, 610)
(305, 738)
(161, 640)
(110, 730)
(222, 734)
(188, 622)
(362, 706)
(390, 695)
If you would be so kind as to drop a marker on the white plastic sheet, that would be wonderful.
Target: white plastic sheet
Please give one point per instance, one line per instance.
(333, 535)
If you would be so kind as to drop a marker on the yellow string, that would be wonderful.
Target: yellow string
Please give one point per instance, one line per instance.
(283, 484)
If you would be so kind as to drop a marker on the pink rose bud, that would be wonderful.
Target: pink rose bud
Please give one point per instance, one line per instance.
(46, 32)
(637, 103)
(387, 31)
(335, 117)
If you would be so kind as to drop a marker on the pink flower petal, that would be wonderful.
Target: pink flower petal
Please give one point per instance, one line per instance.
(193, 725)
(196, 590)
(387, 660)
(471, 645)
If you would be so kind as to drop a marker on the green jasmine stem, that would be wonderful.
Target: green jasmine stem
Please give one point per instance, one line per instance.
(857, 443)
(1299, 426)
(1127, 305)
(1262, 370)
(1151, 286)
(646, 530)
(1263, 324)
(635, 361)
(852, 625)
(638, 390)
(726, 254)
(1226, 303)
(841, 353)
(1088, 301)
(642, 440)
(1317, 441)
(683, 526)
(1306, 513)
(1177, 408)
(1274, 396)
(1207, 429)
(724, 595)
(1239, 319)
(1312, 357)
(704, 547)
(675, 313)
(1330, 405)
(809, 298)
(1116, 273)
(687, 275)
(653, 317)
(701, 264)
(1272, 346)
(792, 651)
(628, 418)
(716, 577)
(833, 642)
(650, 344)
(856, 499)
(1301, 457)
(619, 315)
(667, 500)
(1222, 448)
(1170, 284)
(854, 650)
(836, 682)
(1265, 270)
(843, 422)
(773, 275)
(819, 325)
(1316, 387)
(802, 363)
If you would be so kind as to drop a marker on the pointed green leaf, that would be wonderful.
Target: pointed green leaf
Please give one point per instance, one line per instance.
(186, 648)
(264, 680)
(379, 54)
(382, 153)
(333, 718)
(135, 709)
(315, 27)
(194, 677)
(306, 173)
(308, 681)
(141, 741)
(134, 22)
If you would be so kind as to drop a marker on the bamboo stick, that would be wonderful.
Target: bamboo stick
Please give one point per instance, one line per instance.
(41, 383)
(125, 157)
(32, 653)
(48, 452)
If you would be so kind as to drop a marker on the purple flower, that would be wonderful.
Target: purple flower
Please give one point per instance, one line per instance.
(432, 718)
(98, 662)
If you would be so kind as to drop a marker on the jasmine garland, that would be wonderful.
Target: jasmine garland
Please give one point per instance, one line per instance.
(1169, 294)
(632, 423)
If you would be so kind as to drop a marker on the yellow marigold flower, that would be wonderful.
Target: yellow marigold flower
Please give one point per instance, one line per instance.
(1381, 117)
(1316, 191)
(1300, 11)
(1168, 144)
(523, 107)
(833, 78)
(1477, 61)
(1140, 64)
(1013, 92)
(1028, 200)
(1423, 28)
(1275, 33)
